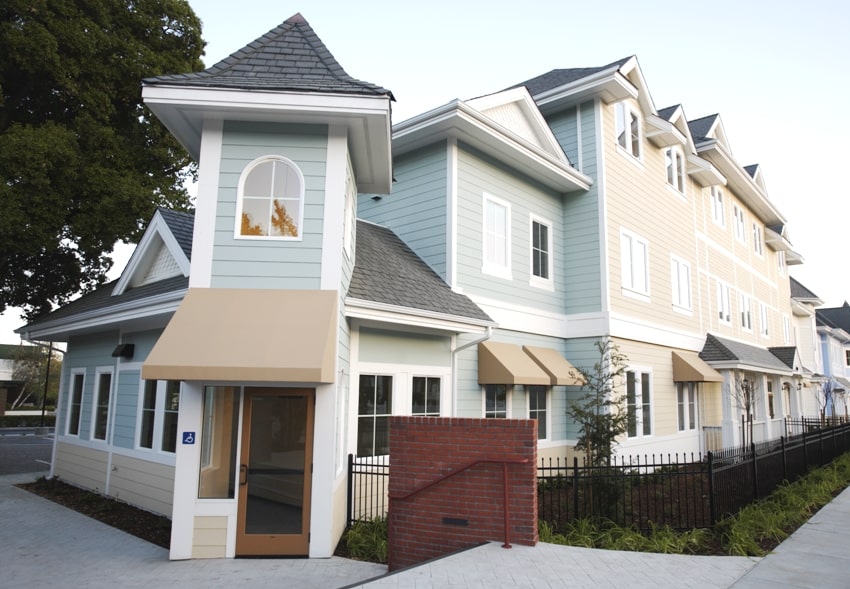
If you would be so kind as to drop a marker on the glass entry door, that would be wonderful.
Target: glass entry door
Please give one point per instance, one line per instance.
(275, 472)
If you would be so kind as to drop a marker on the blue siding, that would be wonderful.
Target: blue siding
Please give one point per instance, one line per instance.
(404, 348)
(126, 407)
(582, 254)
(417, 208)
(85, 352)
(258, 263)
(478, 175)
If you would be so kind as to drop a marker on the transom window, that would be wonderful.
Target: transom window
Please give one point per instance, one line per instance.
(537, 408)
(638, 403)
(628, 128)
(497, 236)
(495, 401)
(718, 213)
(375, 396)
(541, 252)
(271, 199)
(675, 168)
(426, 396)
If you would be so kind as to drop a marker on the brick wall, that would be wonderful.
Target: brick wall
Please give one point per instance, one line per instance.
(467, 508)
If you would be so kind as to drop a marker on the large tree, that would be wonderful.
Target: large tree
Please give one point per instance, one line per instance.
(83, 162)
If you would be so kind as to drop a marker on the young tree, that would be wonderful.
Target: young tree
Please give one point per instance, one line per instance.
(600, 409)
(82, 162)
(30, 368)
(745, 396)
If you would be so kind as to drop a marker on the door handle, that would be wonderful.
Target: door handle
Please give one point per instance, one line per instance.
(243, 475)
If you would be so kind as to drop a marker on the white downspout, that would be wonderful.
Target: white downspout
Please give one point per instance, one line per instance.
(455, 352)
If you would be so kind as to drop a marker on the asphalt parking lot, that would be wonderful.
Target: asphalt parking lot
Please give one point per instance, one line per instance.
(21, 450)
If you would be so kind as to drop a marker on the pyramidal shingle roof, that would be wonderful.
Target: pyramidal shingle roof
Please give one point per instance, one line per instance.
(387, 271)
(561, 77)
(289, 57)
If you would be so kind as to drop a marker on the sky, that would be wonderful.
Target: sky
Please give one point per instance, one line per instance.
(776, 71)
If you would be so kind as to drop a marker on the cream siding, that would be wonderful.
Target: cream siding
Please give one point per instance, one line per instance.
(146, 484)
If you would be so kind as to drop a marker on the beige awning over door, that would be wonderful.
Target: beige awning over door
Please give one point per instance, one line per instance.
(560, 371)
(248, 335)
(501, 363)
(688, 367)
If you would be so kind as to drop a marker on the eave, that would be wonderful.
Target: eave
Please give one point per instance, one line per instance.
(371, 312)
(835, 333)
(703, 172)
(183, 111)
(738, 180)
(663, 133)
(608, 85)
(458, 121)
(778, 243)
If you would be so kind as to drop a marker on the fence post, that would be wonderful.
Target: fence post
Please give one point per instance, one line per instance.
(784, 459)
(755, 472)
(712, 502)
(575, 487)
(350, 488)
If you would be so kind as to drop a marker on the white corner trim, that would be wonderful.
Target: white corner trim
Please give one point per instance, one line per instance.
(206, 205)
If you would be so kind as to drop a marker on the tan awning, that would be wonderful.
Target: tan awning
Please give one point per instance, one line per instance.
(688, 367)
(560, 371)
(248, 335)
(500, 363)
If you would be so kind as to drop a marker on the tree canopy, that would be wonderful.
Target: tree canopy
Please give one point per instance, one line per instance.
(84, 164)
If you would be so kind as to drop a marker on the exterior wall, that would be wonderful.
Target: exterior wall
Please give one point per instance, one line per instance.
(270, 263)
(417, 210)
(468, 508)
(82, 466)
(140, 482)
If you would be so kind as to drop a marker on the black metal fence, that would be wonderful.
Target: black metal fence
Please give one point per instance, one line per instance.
(680, 491)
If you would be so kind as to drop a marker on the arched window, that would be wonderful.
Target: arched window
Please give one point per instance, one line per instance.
(271, 199)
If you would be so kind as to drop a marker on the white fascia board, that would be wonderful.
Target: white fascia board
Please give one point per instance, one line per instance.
(804, 308)
(458, 121)
(663, 133)
(735, 365)
(738, 179)
(704, 172)
(183, 110)
(103, 319)
(609, 85)
(394, 314)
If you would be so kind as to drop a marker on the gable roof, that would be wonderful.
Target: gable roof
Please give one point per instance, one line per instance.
(182, 225)
(388, 272)
(798, 291)
(561, 77)
(835, 317)
(289, 57)
(718, 351)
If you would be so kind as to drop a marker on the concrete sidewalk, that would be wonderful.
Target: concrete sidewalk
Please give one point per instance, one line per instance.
(46, 544)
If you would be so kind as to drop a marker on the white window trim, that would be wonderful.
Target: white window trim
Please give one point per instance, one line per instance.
(548, 420)
(490, 267)
(677, 264)
(740, 223)
(675, 157)
(158, 417)
(99, 371)
(758, 240)
(74, 373)
(442, 391)
(724, 303)
(639, 372)
(509, 390)
(786, 329)
(537, 281)
(780, 262)
(718, 206)
(685, 388)
(627, 239)
(237, 222)
(746, 310)
(764, 320)
(623, 113)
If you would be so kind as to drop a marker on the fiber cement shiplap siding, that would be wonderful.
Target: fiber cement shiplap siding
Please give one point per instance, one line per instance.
(146, 484)
(416, 210)
(582, 252)
(478, 175)
(270, 263)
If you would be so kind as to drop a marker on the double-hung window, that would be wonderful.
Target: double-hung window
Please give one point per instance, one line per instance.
(786, 330)
(495, 401)
(541, 253)
(780, 262)
(426, 396)
(537, 408)
(102, 395)
(270, 200)
(686, 404)
(680, 276)
(764, 320)
(639, 403)
(757, 239)
(718, 213)
(746, 314)
(75, 405)
(740, 224)
(627, 128)
(675, 168)
(723, 303)
(375, 395)
(158, 415)
(497, 237)
(634, 256)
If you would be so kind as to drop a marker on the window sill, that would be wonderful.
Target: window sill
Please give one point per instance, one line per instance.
(498, 272)
(635, 294)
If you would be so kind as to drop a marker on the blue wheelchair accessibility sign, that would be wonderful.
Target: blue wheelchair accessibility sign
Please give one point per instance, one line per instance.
(188, 437)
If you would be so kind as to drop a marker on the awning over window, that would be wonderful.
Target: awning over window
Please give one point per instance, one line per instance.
(500, 363)
(560, 371)
(688, 367)
(248, 335)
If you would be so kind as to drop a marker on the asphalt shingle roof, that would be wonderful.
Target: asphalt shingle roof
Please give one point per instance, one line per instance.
(181, 225)
(722, 350)
(798, 291)
(835, 317)
(751, 170)
(289, 57)
(388, 271)
(666, 113)
(561, 77)
(699, 127)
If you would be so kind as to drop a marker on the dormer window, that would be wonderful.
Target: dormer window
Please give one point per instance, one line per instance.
(628, 128)
(675, 169)
(271, 199)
